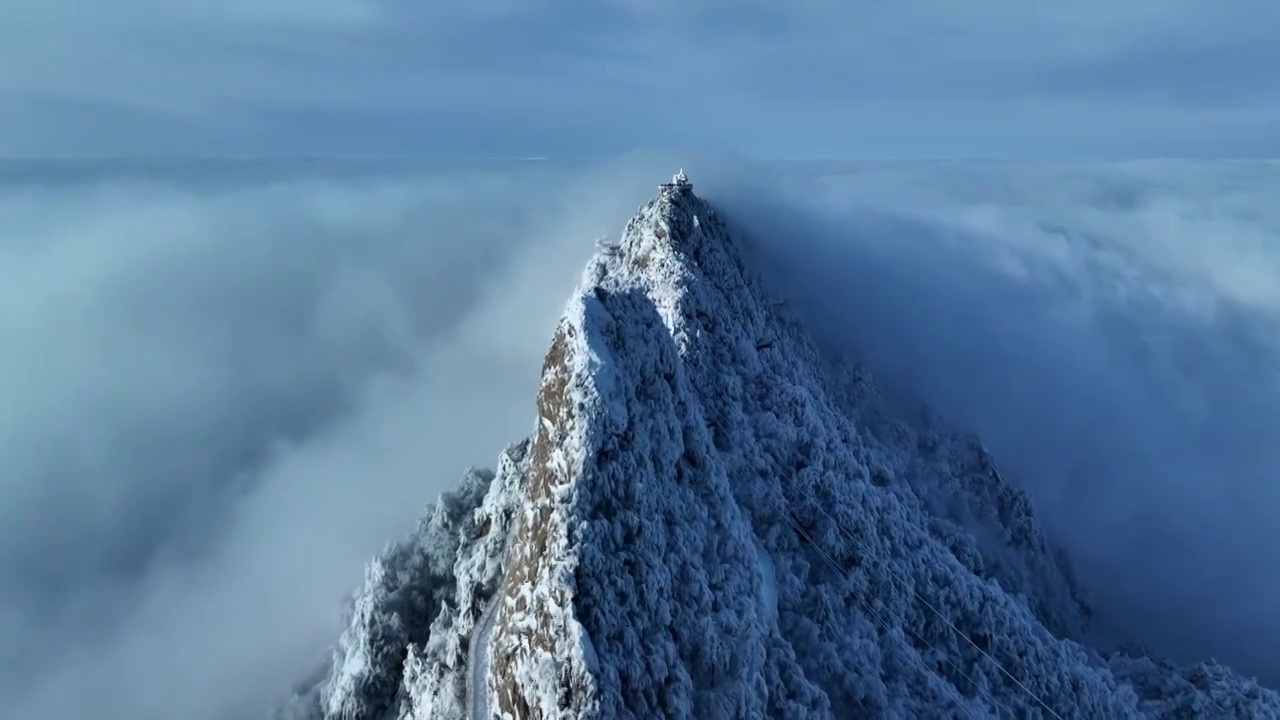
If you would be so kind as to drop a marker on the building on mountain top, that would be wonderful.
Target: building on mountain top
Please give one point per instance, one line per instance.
(679, 181)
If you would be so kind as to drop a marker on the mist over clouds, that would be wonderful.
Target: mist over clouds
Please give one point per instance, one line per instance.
(224, 395)
(228, 387)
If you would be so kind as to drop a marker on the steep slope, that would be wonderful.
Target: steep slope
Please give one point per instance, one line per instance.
(713, 519)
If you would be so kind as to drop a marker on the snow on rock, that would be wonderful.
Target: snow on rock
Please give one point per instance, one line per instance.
(713, 519)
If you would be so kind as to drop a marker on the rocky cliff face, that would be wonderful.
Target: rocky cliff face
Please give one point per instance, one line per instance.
(714, 519)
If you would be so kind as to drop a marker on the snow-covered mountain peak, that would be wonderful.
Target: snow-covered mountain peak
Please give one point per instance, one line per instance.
(713, 518)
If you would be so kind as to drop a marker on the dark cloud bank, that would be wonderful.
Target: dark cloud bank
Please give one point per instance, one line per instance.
(225, 390)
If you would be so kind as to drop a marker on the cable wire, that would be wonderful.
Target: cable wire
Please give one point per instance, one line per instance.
(955, 694)
(944, 619)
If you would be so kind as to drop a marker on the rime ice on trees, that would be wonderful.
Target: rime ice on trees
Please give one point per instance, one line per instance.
(712, 518)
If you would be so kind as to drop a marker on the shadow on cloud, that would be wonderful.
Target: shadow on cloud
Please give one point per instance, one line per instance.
(1113, 334)
(224, 397)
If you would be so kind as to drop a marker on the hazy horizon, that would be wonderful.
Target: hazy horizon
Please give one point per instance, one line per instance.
(996, 78)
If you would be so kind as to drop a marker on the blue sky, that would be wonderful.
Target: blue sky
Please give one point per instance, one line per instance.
(809, 78)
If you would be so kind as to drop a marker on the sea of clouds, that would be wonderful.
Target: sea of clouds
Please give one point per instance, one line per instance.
(228, 385)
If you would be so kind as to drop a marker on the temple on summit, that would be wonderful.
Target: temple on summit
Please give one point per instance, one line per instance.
(679, 182)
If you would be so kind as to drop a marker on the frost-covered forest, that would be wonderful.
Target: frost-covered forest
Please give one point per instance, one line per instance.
(715, 517)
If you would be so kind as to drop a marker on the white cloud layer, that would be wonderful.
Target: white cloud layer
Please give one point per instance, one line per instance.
(223, 399)
(227, 389)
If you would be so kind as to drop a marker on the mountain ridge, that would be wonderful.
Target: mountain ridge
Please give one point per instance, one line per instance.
(713, 518)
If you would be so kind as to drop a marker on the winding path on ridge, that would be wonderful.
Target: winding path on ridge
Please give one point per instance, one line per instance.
(478, 664)
(480, 642)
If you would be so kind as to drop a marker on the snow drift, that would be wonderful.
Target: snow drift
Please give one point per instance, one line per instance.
(715, 517)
